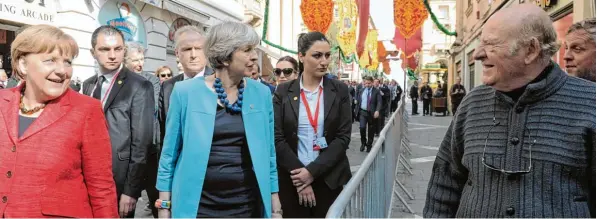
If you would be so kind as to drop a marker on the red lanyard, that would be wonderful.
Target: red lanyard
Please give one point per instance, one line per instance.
(312, 120)
(109, 88)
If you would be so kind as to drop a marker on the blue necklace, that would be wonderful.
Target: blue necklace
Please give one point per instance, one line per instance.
(235, 107)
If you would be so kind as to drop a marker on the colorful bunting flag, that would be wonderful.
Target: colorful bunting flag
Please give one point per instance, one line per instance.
(317, 14)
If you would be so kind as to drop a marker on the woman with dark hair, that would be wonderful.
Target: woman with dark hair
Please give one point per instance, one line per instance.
(286, 69)
(312, 130)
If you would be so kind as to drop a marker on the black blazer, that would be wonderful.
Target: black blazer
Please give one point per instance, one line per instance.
(164, 99)
(129, 112)
(385, 98)
(376, 103)
(332, 162)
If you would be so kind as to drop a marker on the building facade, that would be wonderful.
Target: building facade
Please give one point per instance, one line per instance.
(149, 22)
(436, 44)
(472, 14)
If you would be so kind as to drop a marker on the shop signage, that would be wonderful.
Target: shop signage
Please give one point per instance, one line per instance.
(176, 24)
(28, 11)
(124, 16)
(546, 3)
(433, 65)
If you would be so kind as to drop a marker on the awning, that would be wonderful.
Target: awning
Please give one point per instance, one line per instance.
(269, 52)
(207, 12)
(265, 59)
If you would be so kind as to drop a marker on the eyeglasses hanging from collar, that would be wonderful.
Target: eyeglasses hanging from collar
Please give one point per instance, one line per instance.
(532, 140)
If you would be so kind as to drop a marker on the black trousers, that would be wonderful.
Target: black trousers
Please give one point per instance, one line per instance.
(151, 175)
(426, 107)
(324, 198)
(394, 105)
(380, 122)
(415, 105)
(367, 127)
(455, 105)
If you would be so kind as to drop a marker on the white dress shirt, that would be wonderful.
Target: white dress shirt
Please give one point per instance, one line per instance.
(201, 73)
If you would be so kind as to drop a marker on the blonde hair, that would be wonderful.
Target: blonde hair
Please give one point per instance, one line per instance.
(161, 69)
(41, 39)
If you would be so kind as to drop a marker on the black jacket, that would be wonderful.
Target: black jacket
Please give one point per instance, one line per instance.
(332, 163)
(385, 98)
(414, 92)
(426, 92)
(376, 100)
(129, 111)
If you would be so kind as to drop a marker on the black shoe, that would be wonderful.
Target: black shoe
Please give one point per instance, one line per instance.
(369, 149)
(362, 148)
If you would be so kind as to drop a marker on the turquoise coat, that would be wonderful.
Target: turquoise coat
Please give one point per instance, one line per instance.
(189, 133)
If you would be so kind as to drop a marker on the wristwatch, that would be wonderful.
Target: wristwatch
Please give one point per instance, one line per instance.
(163, 204)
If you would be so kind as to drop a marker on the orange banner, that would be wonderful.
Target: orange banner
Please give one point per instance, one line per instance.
(409, 16)
(317, 14)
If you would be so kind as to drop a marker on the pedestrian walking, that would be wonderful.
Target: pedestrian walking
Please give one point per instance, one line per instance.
(134, 59)
(369, 104)
(128, 104)
(218, 157)
(414, 97)
(522, 144)
(55, 144)
(457, 93)
(426, 93)
(312, 130)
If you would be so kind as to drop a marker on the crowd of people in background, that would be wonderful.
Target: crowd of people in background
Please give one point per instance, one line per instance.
(221, 140)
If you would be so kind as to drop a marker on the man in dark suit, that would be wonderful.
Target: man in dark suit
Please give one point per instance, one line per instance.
(128, 103)
(369, 103)
(134, 58)
(384, 90)
(414, 96)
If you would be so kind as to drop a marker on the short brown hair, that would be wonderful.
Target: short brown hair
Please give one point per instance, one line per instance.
(161, 69)
(41, 39)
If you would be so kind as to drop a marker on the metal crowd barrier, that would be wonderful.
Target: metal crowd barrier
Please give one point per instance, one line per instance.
(371, 190)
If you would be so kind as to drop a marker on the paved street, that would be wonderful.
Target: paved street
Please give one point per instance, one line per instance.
(425, 135)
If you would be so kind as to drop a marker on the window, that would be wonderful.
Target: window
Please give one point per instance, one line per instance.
(444, 12)
(471, 76)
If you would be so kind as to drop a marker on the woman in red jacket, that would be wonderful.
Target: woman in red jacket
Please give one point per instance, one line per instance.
(55, 153)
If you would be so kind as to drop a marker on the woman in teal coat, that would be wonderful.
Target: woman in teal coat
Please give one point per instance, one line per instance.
(218, 157)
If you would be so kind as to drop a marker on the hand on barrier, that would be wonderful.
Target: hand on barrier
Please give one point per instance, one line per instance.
(306, 197)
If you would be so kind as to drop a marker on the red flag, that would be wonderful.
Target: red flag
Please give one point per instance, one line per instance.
(409, 46)
(363, 6)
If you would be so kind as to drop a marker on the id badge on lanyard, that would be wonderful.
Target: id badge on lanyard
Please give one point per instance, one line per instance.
(319, 142)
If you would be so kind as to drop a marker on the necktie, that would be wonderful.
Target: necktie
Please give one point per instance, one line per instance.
(369, 99)
(97, 93)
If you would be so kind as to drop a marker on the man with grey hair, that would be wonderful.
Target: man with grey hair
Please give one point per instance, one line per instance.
(134, 59)
(522, 144)
(580, 49)
(189, 43)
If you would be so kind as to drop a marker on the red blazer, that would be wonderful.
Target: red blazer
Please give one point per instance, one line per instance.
(61, 166)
